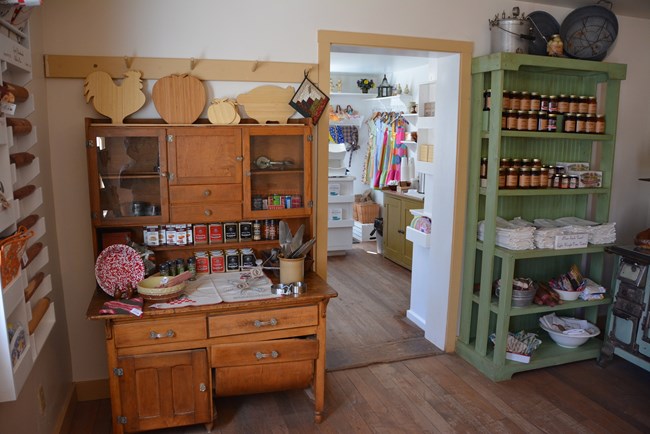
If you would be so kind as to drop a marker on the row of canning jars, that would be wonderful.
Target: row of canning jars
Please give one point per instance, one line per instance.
(521, 120)
(529, 173)
(559, 104)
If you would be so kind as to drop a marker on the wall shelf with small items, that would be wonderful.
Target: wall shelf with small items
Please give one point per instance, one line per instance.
(27, 314)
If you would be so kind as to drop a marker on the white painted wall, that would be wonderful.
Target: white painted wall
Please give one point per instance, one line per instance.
(278, 31)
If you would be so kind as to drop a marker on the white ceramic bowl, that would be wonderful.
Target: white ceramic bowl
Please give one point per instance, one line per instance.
(568, 340)
(567, 295)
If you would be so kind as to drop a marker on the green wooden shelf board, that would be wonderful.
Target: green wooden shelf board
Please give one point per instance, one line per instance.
(552, 135)
(537, 309)
(554, 65)
(546, 191)
(543, 253)
(548, 354)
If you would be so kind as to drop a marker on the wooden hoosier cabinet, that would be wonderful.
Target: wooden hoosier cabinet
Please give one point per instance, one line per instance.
(167, 365)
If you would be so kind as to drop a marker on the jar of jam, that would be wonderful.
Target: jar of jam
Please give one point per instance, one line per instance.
(581, 123)
(552, 104)
(504, 120)
(535, 177)
(552, 122)
(551, 174)
(526, 162)
(563, 103)
(535, 101)
(573, 181)
(600, 124)
(590, 124)
(569, 123)
(515, 100)
(543, 103)
(543, 177)
(564, 181)
(592, 105)
(573, 103)
(512, 178)
(532, 120)
(511, 121)
(516, 163)
(583, 105)
(524, 101)
(522, 120)
(505, 162)
(503, 173)
(524, 177)
(542, 121)
(506, 100)
(557, 181)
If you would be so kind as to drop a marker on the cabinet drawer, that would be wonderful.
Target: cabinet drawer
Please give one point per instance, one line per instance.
(208, 193)
(206, 213)
(153, 332)
(263, 366)
(263, 352)
(262, 321)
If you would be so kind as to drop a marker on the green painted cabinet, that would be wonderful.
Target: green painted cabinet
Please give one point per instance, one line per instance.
(397, 216)
(483, 314)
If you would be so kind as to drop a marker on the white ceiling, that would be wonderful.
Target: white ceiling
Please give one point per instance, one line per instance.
(369, 60)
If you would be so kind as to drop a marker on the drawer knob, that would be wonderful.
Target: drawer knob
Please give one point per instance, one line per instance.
(272, 322)
(239, 158)
(202, 387)
(154, 335)
(260, 355)
(207, 212)
(207, 192)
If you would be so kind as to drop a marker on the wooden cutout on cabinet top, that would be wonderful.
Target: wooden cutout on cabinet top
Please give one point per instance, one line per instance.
(113, 100)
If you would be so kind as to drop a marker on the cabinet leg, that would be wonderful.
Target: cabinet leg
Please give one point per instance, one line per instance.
(318, 416)
(209, 426)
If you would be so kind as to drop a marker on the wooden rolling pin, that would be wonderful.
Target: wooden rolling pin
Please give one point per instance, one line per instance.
(23, 192)
(32, 252)
(13, 93)
(37, 313)
(28, 221)
(33, 285)
(21, 159)
(20, 126)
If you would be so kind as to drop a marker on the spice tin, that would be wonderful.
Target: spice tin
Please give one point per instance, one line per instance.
(247, 258)
(200, 234)
(215, 233)
(217, 261)
(232, 260)
(230, 232)
(257, 230)
(245, 231)
(181, 235)
(170, 233)
(162, 235)
(202, 262)
(150, 236)
(190, 234)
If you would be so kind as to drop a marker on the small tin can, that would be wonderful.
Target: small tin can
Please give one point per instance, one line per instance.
(215, 233)
(230, 232)
(296, 201)
(202, 261)
(245, 231)
(258, 203)
(232, 260)
(247, 258)
(150, 236)
(257, 230)
(162, 235)
(217, 261)
(181, 235)
(200, 234)
(170, 233)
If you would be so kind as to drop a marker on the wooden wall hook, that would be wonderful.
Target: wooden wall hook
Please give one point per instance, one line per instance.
(192, 63)
(128, 61)
(255, 65)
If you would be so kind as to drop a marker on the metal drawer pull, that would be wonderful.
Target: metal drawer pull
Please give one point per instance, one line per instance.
(202, 387)
(260, 355)
(153, 335)
(272, 322)
(207, 192)
(207, 212)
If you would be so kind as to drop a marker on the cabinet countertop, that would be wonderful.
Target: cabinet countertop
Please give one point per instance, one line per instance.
(402, 195)
(317, 289)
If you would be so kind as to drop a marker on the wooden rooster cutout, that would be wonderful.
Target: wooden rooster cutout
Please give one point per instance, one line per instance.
(112, 100)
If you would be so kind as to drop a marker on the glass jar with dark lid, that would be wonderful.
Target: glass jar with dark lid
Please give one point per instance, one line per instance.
(535, 101)
(503, 173)
(600, 124)
(532, 120)
(516, 163)
(511, 120)
(537, 162)
(590, 124)
(583, 105)
(515, 100)
(512, 177)
(524, 177)
(524, 101)
(522, 120)
(569, 123)
(542, 121)
(552, 104)
(535, 178)
(543, 177)
(592, 105)
(562, 103)
(552, 122)
(505, 162)
(506, 100)
(543, 102)
(573, 103)
(526, 162)
(581, 123)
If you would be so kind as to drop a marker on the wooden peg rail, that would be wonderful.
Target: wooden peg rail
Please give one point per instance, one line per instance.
(153, 68)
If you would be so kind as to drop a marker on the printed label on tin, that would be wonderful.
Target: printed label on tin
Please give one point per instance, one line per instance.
(216, 233)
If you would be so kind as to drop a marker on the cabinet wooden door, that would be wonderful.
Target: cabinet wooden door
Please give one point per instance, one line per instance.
(397, 216)
(127, 175)
(205, 174)
(160, 390)
(278, 171)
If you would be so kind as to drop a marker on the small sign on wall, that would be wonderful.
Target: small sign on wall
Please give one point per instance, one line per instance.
(571, 241)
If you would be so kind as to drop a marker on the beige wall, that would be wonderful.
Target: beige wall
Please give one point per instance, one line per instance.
(252, 30)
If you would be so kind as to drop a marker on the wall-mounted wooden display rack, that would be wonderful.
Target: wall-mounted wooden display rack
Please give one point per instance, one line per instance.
(153, 68)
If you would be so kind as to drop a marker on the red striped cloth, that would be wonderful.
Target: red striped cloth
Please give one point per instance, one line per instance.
(129, 306)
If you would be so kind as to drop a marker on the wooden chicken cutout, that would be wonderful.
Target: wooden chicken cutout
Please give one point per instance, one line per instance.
(112, 100)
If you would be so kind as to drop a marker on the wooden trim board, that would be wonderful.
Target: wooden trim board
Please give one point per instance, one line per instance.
(153, 68)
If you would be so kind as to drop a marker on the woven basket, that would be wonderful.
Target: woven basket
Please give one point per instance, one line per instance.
(365, 212)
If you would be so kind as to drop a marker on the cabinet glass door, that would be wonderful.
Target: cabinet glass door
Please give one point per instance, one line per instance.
(127, 175)
(278, 181)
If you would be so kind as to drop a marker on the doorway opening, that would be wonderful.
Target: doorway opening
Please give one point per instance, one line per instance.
(437, 303)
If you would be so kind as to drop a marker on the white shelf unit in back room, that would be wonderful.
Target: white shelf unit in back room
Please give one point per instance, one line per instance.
(339, 206)
(17, 358)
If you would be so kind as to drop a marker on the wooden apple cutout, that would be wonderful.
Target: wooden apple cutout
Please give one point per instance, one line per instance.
(179, 99)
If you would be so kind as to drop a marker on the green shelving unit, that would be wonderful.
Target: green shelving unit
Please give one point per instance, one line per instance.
(484, 262)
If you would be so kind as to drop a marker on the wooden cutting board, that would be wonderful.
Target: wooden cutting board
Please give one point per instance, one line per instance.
(179, 99)
(268, 103)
